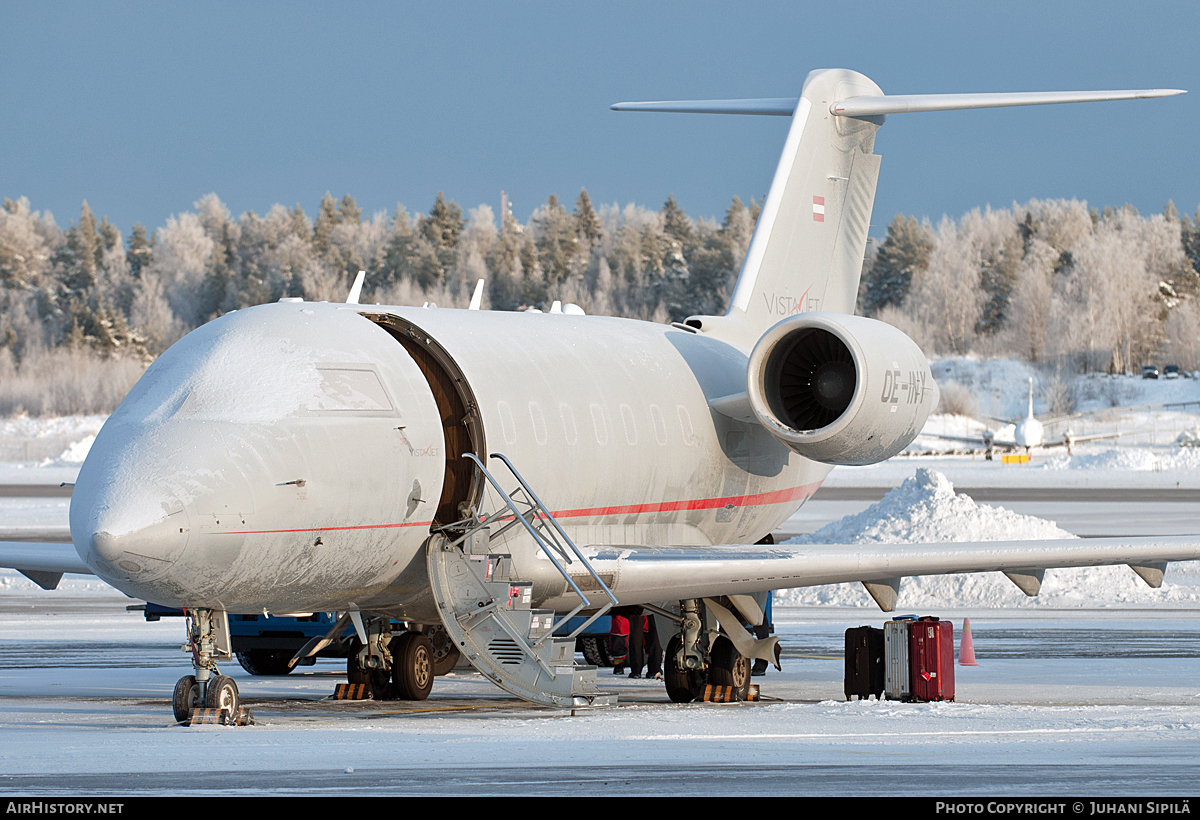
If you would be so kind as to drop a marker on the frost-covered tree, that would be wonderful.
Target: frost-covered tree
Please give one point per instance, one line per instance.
(904, 253)
(180, 261)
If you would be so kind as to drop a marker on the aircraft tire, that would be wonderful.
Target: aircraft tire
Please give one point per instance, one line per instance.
(412, 666)
(445, 653)
(264, 662)
(186, 698)
(683, 685)
(377, 680)
(223, 694)
(595, 650)
(729, 668)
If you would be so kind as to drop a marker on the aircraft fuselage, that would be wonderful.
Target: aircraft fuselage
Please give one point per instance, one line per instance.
(293, 457)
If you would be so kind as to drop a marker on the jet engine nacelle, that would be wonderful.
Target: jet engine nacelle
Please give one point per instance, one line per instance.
(840, 389)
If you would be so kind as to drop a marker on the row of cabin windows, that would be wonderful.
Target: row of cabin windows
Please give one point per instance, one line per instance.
(599, 424)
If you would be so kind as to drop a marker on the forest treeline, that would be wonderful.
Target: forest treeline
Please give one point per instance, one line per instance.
(85, 309)
(1052, 282)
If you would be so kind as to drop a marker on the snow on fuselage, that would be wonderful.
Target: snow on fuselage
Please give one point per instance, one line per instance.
(291, 457)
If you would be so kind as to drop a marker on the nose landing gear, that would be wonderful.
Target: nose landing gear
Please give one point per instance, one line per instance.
(207, 696)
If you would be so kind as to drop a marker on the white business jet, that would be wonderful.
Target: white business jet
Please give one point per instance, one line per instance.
(489, 474)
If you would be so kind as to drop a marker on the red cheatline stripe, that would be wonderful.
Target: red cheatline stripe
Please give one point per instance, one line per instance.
(756, 500)
(331, 529)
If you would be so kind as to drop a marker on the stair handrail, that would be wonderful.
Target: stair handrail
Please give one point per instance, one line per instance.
(554, 522)
(545, 547)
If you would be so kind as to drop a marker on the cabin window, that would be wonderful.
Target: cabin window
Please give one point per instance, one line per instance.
(630, 424)
(568, 420)
(599, 425)
(539, 422)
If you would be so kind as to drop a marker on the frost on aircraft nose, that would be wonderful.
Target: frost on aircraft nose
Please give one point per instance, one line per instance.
(140, 554)
(128, 521)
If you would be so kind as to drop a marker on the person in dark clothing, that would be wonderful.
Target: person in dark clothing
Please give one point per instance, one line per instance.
(638, 649)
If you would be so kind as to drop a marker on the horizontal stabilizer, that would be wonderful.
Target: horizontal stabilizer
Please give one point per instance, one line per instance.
(874, 106)
(771, 107)
(907, 103)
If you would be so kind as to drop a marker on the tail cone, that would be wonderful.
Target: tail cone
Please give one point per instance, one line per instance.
(966, 649)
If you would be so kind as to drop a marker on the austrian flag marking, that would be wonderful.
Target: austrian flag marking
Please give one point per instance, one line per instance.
(818, 209)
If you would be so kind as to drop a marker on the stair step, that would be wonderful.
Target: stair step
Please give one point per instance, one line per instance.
(562, 651)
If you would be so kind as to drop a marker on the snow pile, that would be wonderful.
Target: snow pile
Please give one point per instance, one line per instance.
(925, 509)
(41, 441)
(77, 452)
(1189, 438)
(1128, 458)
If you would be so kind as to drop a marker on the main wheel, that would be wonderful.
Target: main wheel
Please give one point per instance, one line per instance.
(683, 685)
(186, 698)
(223, 694)
(729, 668)
(378, 681)
(445, 653)
(264, 662)
(412, 666)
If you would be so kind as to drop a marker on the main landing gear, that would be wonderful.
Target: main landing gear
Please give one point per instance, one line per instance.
(698, 656)
(401, 665)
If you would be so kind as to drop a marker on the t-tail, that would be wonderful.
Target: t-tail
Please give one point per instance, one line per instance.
(808, 246)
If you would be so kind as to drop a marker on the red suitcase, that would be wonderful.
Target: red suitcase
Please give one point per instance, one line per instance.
(932, 659)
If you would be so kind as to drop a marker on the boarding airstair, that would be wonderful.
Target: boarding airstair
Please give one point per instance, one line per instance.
(487, 610)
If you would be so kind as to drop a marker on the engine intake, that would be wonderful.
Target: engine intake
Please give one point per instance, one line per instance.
(840, 389)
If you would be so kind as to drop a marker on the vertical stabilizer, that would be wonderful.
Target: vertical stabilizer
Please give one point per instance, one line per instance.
(808, 247)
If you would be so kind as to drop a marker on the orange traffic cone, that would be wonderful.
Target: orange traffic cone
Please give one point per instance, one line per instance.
(966, 649)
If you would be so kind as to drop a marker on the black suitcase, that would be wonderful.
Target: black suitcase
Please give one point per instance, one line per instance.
(864, 662)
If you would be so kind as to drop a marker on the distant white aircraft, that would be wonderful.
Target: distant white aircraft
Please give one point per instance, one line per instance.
(303, 457)
(1028, 432)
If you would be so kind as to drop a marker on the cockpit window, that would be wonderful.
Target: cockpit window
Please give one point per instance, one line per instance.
(349, 389)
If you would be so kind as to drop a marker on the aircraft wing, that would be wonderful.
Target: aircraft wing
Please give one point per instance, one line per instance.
(1062, 442)
(42, 563)
(648, 574)
(976, 440)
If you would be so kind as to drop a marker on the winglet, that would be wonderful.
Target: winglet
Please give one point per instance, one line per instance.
(356, 289)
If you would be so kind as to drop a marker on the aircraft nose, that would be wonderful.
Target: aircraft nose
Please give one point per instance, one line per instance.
(135, 544)
(126, 528)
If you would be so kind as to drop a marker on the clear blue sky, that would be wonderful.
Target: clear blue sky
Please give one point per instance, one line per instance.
(142, 108)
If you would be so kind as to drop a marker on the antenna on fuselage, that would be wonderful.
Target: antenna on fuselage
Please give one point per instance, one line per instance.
(356, 288)
(477, 296)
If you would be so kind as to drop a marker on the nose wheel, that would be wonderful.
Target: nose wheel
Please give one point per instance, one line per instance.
(186, 699)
